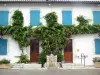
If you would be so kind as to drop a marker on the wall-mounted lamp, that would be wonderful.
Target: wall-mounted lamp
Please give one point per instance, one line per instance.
(49, 4)
(5, 5)
(98, 5)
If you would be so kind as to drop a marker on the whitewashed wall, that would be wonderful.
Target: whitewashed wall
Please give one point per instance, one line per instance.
(12, 50)
(85, 43)
(77, 9)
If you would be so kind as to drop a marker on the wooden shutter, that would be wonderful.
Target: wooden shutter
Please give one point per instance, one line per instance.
(4, 18)
(35, 17)
(3, 46)
(96, 17)
(66, 17)
(97, 46)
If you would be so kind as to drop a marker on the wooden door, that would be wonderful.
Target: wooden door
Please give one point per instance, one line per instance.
(68, 54)
(34, 50)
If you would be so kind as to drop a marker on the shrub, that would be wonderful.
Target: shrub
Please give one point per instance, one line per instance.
(82, 20)
(51, 19)
(23, 59)
(42, 58)
(18, 18)
(4, 61)
(59, 57)
(96, 59)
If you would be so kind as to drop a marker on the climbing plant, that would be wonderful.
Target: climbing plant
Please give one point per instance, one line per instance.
(51, 19)
(53, 37)
(17, 18)
(82, 20)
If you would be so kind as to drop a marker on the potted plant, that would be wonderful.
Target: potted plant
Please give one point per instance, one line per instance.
(23, 59)
(59, 59)
(22, 62)
(4, 63)
(42, 59)
(96, 61)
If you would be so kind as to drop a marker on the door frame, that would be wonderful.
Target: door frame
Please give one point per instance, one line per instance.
(71, 51)
(36, 52)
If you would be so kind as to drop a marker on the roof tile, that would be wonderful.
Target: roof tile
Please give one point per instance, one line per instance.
(50, 0)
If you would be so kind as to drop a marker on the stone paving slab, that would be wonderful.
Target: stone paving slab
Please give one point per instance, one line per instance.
(50, 72)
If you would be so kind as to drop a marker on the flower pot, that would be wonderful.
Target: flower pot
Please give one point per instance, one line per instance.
(5, 65)
(97, 64)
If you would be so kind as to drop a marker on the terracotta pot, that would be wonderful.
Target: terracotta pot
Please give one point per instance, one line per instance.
(5, 65)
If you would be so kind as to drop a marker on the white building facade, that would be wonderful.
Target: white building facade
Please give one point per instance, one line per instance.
(81, 44)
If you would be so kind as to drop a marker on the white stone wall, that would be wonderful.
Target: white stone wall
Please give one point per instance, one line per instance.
(85, 43)
(77, 9)
(12, 50)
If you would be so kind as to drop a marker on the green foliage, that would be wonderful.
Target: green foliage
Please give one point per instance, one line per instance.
(53, 37)
(4, 61)
(17, 18)
(51, 19)
(96, 59)
(42, 58)
(23, 59)
(59, 57)
(82, 20)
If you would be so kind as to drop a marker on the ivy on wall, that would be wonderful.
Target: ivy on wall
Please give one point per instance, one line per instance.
(82, 20)
(17, 18)
(53, 37)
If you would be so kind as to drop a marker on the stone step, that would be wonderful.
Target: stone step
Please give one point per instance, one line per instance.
(26, 66)
(52, 68)
(71, 65)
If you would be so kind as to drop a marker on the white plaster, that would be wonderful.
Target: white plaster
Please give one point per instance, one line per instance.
(12, 50)
(85, 43)
(77, 9)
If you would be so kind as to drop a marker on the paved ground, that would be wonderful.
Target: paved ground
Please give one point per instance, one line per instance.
(50, 72)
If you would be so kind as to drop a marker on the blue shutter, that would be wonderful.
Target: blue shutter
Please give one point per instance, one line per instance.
(97, 46)
(4, 18)
(3, 46)
(67, 17)
(35, 17)
(96, 17)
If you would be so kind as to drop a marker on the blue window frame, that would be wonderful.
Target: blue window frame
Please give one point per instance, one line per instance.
(97, 46)
(3, 46)
(66, 17)
(4, 18)
(35, 17)
(96, 17)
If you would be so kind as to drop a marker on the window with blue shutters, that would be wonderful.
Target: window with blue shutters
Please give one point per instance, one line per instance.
(4, 18)
(96, 17)
(35, 17)
(3, 46)
(97, 46)
(67, 17)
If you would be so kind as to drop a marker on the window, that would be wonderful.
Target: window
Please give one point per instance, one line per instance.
(35, 17)
(4, 18)
(3, 46)
(97, 46)
(66, 17)
(96, 17)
